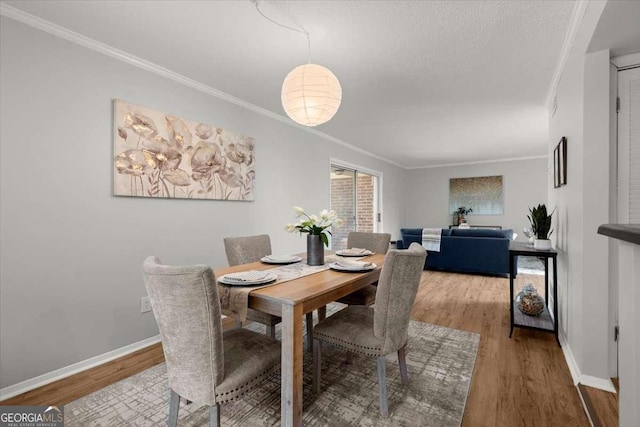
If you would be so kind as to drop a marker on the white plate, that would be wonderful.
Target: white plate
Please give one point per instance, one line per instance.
(352, 266)
(246, 278)
(290, 259)
(347, 253)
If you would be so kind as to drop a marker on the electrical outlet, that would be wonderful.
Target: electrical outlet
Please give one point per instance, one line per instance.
(145, 305)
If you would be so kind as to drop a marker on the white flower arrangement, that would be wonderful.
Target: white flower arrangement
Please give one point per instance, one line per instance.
(314, 224)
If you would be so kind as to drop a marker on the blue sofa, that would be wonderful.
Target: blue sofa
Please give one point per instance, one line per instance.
(465, 250)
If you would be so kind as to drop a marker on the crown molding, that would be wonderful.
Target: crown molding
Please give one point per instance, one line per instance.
(89, 43)
(579, 10)
(631, 60)
(513, 159)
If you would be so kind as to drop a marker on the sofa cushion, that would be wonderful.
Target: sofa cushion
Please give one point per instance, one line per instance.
(482, 232)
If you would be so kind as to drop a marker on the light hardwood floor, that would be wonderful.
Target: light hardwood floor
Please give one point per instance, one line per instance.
(522, 381)
(519, 381)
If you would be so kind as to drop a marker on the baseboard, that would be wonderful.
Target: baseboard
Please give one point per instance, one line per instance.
(568, 356)
(67, 371)
(585, 406)
(604, 384)
(578, 378)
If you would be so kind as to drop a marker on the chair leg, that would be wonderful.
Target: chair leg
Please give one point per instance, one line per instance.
(271, 331)
(382, 385)
(174, 406)
(214, 415)
(349, 357)
(317, 362)
(322, 313)
(402, 361)
(310, 331)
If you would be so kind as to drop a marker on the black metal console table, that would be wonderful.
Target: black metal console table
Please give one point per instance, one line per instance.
(545, 321)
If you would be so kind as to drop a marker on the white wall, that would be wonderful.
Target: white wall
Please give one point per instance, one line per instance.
(524, 185)
(71, 252)
(583, 116)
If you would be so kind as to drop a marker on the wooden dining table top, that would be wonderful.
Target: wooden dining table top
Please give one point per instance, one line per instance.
(304, 288)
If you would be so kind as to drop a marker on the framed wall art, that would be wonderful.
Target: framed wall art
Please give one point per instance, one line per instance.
(556, 168)
(560, 163)
(158, 155)
(483, 194)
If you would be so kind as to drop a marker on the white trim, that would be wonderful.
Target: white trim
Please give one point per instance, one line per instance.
(568, 356)
(514, 159)
(599, 383)
(579, 10)
(584, 406)
(338, 162)
(578, 378)
(626, 60)
(67, 371)
(73, 37)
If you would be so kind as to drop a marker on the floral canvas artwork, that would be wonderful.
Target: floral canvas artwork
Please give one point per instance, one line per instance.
(161, 155)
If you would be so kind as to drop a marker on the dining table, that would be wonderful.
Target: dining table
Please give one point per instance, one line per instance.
(291, 300)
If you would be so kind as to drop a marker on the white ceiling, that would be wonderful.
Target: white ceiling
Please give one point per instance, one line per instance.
(618, 28)
(424, 83)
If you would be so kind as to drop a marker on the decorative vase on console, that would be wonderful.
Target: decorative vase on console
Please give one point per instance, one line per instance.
(530, 235)
(462, 212)
(529, 302)
(541, 225)
(317, 229)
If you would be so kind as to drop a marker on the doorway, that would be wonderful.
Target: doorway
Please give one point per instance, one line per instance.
(628, 189)
(355, 196)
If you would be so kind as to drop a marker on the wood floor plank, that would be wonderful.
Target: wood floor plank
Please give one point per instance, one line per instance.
(519, 381)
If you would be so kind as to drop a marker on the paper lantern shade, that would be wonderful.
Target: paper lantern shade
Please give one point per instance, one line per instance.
(311, 94)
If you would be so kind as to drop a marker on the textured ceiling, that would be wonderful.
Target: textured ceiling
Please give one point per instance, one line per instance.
(424, 83)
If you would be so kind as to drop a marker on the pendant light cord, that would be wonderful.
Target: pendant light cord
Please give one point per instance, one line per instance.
(300, 30)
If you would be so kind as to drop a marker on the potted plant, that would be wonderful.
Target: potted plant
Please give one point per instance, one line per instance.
(462, 212)
(316, 227)
(541, 226)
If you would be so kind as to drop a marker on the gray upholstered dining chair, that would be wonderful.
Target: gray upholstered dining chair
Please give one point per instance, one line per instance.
(375, 242)
(204, 364)
(381, 329)
(246, 249)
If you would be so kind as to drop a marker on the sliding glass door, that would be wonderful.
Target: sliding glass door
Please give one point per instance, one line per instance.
(355, 197)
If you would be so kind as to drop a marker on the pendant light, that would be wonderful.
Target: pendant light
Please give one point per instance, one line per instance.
(311, 94)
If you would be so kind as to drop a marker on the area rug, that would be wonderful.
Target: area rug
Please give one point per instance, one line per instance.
(440, 362)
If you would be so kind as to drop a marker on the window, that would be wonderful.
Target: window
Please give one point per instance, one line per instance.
(355, 197)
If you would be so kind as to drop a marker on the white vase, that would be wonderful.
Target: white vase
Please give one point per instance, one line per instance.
(542, 244)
